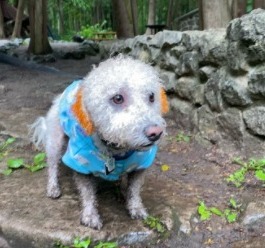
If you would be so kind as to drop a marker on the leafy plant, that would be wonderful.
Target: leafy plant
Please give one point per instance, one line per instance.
(204, 212)
(181, 137)
(37, 164)
(4, 147)
(77, 243)
(230, 214)
(106, 245)
(89, 31)
(257, 166)
(85, 243)
(155, 224)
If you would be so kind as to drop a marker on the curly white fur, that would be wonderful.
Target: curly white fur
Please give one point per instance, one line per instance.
(135, 81)
(122, 124)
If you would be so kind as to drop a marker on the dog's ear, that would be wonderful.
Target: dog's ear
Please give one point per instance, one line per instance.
(164, 101)
(82, 115)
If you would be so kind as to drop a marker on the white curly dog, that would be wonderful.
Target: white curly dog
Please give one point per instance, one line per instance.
(111, 122)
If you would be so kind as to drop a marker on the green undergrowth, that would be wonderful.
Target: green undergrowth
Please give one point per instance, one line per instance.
(5, 147)
(86, 243)
(253, 166)
(155, 224)
(89, 31)
(182, 137)
(12, 164)
(38, 163)
(231, 213)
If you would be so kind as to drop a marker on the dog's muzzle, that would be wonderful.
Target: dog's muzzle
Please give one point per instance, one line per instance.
(153, 133)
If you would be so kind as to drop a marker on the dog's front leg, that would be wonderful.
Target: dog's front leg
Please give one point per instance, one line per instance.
(54, 147)
(87, 188)
(134, 200)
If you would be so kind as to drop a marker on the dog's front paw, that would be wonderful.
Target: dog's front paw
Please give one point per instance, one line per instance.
(54, 191)
(138, 213)
(92, 220)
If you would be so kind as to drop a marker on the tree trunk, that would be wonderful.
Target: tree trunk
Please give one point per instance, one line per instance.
(19, 17)
(239, 8)
(170, 14)
(61, 17)
(259, 4)
(134, 16)
(215, 13)
(2, 31)
(151, 15)
(124, 27)
(39, 43)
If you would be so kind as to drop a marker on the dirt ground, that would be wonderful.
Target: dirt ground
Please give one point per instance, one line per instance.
(195, 173)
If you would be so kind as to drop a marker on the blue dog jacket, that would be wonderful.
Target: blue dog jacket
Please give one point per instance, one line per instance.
(84, 157)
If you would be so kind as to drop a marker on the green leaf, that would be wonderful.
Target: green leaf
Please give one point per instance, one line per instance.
(34, 168)
(216, 211)
(106, 245)
(81, 243)
(58, 244)
(204, 212)
(15, 163)
(9, 141)
(238, 177)
(160, 228)
(154, 223)
(39, 158)
(7, 172)
(186, 138)
(231, 216)
(233, 203)
(260, 175)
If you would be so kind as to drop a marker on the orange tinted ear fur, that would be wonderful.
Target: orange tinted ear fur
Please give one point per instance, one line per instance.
(164, 101)
(81, 115)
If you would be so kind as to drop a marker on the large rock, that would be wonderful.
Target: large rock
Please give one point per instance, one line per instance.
(255, 212)
(169, 80)
(235, 92)
(231, 127)
(166, 39)
(189, 63)
(190, 89)
(166, 61)
(205, 124)
(236, 57)
(254, 118)
(249, 32)
(181, 113)
(213, 91)
(256, 84)
(210, 45)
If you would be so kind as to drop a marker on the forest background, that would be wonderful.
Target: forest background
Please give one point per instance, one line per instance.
(127, 18)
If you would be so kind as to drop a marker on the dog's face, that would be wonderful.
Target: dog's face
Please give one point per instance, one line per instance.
(123, 98)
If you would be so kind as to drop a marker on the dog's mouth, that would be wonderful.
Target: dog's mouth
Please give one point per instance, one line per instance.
(116, 146)
(147, 145)
(111, 144)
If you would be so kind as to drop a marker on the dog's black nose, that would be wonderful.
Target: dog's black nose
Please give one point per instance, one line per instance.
(153, 133)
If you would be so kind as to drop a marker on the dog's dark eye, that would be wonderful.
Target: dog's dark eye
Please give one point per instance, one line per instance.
(152, 97)
(118, 99)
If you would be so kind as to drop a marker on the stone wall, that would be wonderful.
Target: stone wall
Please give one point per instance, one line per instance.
(215, 79)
